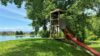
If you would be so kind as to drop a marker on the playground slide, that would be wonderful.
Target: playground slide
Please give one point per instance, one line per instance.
(69, 36)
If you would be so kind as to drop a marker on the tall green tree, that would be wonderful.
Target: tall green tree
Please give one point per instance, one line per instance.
(76, 19)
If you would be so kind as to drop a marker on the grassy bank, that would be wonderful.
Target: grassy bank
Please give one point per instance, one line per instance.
(95, 45)
(38, 47)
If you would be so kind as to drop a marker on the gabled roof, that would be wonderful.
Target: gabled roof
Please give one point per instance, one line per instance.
(56, 11)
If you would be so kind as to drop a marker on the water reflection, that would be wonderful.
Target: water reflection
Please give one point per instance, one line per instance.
(19, 36)
(6, 38)
(32, 36)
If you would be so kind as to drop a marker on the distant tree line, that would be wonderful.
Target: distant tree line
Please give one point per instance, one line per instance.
(19, 33)
(76, 19)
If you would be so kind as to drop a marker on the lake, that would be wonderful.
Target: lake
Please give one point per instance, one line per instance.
(6, 38)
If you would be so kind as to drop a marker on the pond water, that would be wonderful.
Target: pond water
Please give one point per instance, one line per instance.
(6, 38)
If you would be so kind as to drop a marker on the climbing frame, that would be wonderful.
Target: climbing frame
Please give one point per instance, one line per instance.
(54, 23)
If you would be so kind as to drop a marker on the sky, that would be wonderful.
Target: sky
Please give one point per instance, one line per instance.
(13, 18)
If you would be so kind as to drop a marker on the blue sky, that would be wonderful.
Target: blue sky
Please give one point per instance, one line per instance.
(13, 18)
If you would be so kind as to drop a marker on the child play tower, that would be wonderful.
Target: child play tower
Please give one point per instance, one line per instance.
(56, 23)
(54, 20)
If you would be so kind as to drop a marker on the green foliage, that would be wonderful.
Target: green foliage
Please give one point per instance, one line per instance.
(19, 33)
(90, 36)
(95, 44)
(18, 3)
(44, 34)
(96, 25)
(34, 8)
(32, 33)
(4, 2)
(76, 20)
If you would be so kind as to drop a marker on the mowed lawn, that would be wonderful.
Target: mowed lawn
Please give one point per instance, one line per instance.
(38, 47)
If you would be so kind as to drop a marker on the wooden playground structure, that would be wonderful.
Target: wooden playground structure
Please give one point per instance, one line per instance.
(56, 25)
(55, 20)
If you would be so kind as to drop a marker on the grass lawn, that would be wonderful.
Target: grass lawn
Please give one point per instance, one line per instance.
(38, 47)
(96, 45)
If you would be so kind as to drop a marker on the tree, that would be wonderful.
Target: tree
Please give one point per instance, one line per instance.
(19, 33)
(76, 19)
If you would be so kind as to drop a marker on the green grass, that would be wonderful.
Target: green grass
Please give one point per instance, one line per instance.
(95, 45)
(38, 47)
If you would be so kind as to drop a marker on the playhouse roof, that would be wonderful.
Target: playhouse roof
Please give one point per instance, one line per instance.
(56, 11)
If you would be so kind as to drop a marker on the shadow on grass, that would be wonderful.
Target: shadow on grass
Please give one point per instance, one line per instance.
(43, 48)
